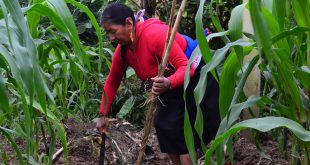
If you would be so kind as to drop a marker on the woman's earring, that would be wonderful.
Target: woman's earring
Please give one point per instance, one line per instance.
(131, 37)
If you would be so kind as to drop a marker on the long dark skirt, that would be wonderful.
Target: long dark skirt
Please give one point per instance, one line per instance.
(169, 115)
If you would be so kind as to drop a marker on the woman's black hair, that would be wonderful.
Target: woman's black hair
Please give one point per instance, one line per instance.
(116, 13)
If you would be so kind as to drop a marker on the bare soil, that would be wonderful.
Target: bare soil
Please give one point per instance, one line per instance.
(85, 149)
(122, 147)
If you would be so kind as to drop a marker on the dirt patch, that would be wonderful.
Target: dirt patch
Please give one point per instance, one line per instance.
(246, 153)
(121, 146)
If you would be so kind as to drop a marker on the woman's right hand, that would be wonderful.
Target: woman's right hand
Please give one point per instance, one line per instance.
(102, 124)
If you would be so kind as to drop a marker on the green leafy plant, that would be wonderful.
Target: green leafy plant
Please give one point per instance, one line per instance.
(46, 74)
(281, 38)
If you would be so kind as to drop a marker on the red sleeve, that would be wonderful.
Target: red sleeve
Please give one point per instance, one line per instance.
(177, 57)
(113, 81)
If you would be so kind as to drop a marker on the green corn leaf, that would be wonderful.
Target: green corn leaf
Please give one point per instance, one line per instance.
(293, 31)
(243, 79)
(33, 20)
(261, 124)
(199, 125)
(288, 84)
(21, 48)
(235, 23)
(274, 29)
(189, 137)
(235, 113)
(262, 34)
(53, 17)
(63, 138)
(6, 132)
(202, 41)
(303, 75)
(229, 75)
(279, 12)
(60, 7)
(1, 14)
(218, 57)
(4, 101)
(227, 83)
(94, 23)
(301, 9)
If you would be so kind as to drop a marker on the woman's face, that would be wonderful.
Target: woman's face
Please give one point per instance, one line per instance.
(119, 33)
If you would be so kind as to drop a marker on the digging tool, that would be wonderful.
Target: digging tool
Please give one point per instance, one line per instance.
(102, 147)
(161, 69)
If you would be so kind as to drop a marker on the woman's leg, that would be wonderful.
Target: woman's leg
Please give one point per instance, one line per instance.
(185, 159)
(175, 159)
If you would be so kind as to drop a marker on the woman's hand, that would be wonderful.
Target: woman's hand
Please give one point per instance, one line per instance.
(102, 124)
(160, 85)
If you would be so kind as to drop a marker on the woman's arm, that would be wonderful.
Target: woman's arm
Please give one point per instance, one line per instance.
(113, 81)
(177, 57)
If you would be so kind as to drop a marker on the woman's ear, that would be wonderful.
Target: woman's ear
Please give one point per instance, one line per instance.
(129, 22)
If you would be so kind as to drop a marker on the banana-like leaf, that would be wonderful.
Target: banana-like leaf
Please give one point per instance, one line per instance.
(261, 124)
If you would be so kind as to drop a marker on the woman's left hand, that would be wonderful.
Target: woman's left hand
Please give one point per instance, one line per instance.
(160, 85)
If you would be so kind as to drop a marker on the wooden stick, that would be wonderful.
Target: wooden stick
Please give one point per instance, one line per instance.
(152, 105)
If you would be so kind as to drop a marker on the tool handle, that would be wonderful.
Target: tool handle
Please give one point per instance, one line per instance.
(102, 148)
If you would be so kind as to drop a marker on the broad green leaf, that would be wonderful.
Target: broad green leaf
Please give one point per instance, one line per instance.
(235, 113)
(235, 23)
(126, 108)
(261, 124)
(130, 72)
(227, 83)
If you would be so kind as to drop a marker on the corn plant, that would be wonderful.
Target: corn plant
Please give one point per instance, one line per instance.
(281, 38)
(45, 73)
